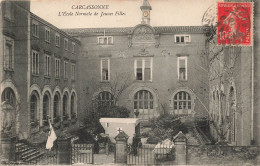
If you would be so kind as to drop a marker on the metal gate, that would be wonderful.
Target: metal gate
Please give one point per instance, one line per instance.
(82, 153)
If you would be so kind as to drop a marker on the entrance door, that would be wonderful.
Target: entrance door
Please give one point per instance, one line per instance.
(8, 113)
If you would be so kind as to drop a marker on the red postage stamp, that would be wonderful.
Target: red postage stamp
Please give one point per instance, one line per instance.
(235, 22)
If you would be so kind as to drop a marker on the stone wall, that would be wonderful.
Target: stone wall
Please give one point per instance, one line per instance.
(222, 155)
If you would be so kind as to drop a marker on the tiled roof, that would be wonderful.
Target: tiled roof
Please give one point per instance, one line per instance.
(127, 30)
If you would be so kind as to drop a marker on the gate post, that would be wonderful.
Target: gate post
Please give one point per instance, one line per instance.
(64, 151)
(180, 142)
(121, 148)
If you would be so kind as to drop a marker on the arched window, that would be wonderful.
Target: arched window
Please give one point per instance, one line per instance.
(143, 103)
(45, 109)
(65, 107)
(182, 103)
(72, 106)
(105, 99)
(33, 108)
(56, 107)
(8, 96)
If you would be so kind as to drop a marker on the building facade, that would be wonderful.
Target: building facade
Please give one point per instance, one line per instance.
(38, 74)
(234, 91)
(161, 65)
(51, 73)
(230, 99)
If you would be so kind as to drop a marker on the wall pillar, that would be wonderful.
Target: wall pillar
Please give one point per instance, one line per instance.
(7, 149)
(180, 142)
(64, 148)
(121, 148)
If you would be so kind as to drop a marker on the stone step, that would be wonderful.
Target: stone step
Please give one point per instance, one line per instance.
(32, 153)
(34, 157)
(22, 149)
(20, 146)
(29, 151)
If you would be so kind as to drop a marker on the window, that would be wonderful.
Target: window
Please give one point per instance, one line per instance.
(73, 47)
(182, 68)
(9, 53)
(66, 70)
(57, 40)
(45, 109)
(73, 71)
(105, 99)
(105, 69)
(66, 44)
(57, 68)
(35, 28)
(9, 97)
(35, 63)
(182, 102)
(182, 38)
(143, 103)
(47, 65)
(47, 35)
(105, 40)
(143, 69)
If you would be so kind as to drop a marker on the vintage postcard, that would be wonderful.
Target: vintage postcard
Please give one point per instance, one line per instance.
(130, 82)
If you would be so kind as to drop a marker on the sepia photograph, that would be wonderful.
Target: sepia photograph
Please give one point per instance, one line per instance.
(130, 82)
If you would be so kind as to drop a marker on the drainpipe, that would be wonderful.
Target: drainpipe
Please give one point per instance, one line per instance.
(28, 71)
(252, 100)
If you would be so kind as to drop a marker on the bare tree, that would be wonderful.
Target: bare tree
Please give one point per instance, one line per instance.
(116, 86)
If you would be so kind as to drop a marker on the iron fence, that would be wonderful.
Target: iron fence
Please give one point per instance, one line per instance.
(82, 153)
(151, 154)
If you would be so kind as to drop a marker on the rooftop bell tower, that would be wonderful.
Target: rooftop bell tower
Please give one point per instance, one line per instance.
(146, 8)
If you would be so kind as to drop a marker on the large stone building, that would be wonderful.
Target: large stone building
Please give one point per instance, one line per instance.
(163, 67)
(38, 73)
(148, 69)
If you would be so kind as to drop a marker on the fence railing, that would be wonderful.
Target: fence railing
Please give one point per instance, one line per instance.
(151, 154)
(82, 153)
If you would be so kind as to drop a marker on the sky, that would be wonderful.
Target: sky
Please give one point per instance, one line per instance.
(164, 12)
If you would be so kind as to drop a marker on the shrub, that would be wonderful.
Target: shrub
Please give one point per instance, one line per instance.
(153, 140)
(167, 126)
(145, 134)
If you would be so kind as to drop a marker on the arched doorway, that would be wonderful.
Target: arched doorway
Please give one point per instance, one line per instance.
(45, 109)
(72, 106)
(34, 111)
(65, 114)
(56, 108)
(8, 106)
